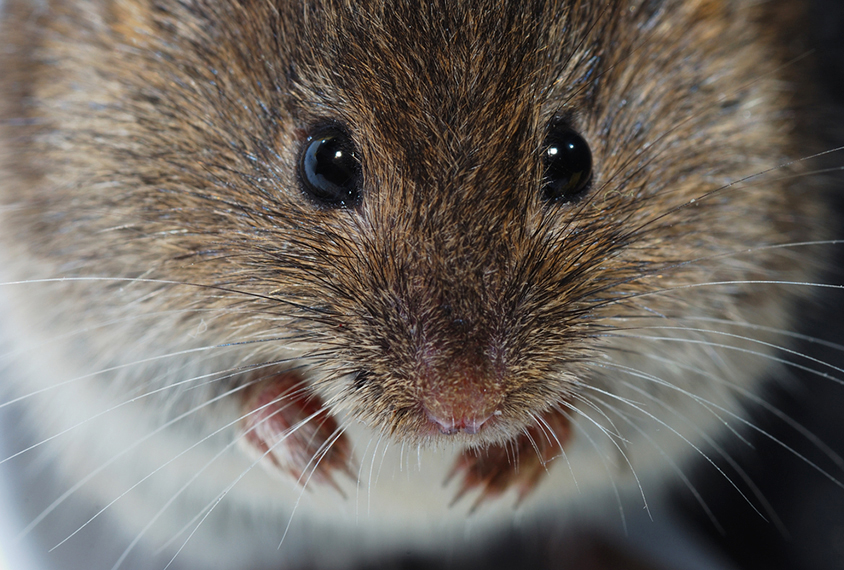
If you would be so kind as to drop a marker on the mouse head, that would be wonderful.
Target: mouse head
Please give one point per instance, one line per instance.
(445, 209)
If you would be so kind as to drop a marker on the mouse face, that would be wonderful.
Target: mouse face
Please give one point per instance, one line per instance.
(505, 230)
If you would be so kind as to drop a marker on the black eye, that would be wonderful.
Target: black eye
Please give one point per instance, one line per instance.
(329, 169)
(568, 165)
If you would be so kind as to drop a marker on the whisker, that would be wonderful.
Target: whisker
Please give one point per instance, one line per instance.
(733, 184)
(726, 283)
(185, 451)
(199, 472)
(371, 471)
(676, 468)
(757, 493)
(736, 349)
(222, 375)
(610, 477)
(321, 452)
(147, 361)
(79, 484)
(549, 436)
(735, 416)
(615, 442)
(534, 445)
(615, 433)
(360, 474)
(745, 338)
(751, 396)
(700, 452)
(104, 371)
(381, 464)
(221, 288)
(753, 326)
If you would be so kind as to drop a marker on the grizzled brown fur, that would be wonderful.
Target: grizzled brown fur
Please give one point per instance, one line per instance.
(154, 146)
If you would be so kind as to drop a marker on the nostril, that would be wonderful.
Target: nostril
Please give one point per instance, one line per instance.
(452, 426)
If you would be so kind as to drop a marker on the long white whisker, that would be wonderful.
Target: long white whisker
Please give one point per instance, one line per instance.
(199, 472)
(667, 290)
(614, 439)
(736, 349)
(534, 444)
(371, 471)
(614, 433)
(605, 464)
(79, 484)
(106, 370)
(711, 442)
(208, 379)
(749, 395)
(740, 324)
(381, 464)
(683, 477)
(745, 338)
(224, 289)
(737, 417)
(700, 452)
(321, 453)
(185, 451)
(206, 511)
(360, 477)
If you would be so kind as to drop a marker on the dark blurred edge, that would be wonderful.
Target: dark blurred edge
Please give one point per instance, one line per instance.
(810, 505)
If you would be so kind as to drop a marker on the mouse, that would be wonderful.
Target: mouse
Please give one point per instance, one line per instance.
(295, 284)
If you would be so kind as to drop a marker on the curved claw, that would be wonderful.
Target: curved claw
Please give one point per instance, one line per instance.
(519, 464)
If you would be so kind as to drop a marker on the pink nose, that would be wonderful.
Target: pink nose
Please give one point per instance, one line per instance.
(461, 391)
(462, 398)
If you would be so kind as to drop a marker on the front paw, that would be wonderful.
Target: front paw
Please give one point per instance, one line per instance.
(519, 464)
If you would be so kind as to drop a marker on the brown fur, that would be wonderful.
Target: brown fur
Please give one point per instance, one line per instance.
(159, 141)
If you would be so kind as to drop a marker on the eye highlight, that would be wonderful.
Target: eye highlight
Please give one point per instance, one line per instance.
(329, 169)
(567, 160)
